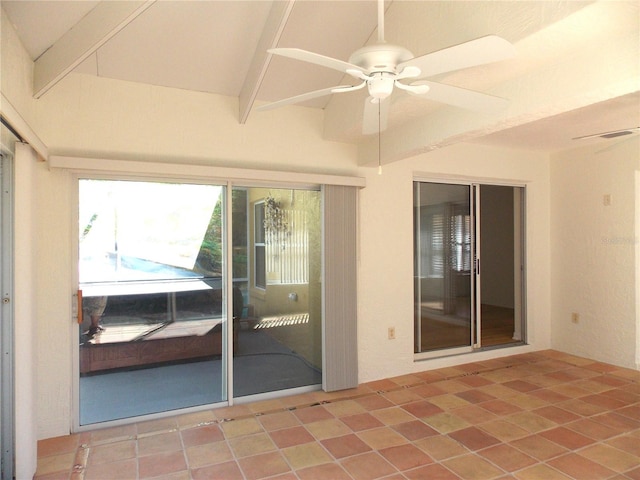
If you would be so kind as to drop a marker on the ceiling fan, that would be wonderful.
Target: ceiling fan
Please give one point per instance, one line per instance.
(384, 67)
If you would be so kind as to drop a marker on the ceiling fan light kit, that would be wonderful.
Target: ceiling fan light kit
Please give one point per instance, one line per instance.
(380, 86)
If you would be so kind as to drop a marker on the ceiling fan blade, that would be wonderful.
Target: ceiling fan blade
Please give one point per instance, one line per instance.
(303, 97)
(316, 58)
(348, 88)
(415, 89)
(375, 120)
(461, 97)
(409, 71)
(480, 51)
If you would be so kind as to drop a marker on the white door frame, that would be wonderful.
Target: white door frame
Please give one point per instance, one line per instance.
(7, 425)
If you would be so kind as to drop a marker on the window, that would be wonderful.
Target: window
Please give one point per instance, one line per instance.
(260, 274)
(461, 241)
(436, 226)
(432, 244)
(282, 237)
(287, 250)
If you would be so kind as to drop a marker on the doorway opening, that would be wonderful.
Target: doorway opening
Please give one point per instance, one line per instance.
(501, 250)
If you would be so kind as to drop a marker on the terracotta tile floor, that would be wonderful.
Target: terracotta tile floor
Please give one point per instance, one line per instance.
(544, 415)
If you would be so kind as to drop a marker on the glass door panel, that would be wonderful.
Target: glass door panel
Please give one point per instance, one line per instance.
(278, 344)
(501, 254)
(442, 270)
(151, 273)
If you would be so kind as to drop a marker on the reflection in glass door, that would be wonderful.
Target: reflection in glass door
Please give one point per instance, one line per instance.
(151, 273)
(443, 280)
(279, 341)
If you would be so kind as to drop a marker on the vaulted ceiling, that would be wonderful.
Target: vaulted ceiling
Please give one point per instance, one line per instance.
(576, 71)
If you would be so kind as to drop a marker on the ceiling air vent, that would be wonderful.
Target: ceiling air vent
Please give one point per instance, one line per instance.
(613, 134)
(616, 134)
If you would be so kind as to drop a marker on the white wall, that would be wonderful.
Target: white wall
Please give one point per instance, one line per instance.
(593, 251)
(53, 298)
(25, 344)
(16, 69)
(95, 117)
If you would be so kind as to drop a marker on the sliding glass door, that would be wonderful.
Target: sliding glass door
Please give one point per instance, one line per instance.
(469, 267)
(153, 323)
(178, 313)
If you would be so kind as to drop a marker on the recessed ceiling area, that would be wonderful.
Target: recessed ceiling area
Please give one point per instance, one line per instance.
(558, 132)
(576, 69)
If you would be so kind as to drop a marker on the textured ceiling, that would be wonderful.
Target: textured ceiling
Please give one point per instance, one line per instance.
(576, 71)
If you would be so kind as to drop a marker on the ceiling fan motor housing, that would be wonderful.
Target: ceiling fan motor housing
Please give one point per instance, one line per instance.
(380, 57)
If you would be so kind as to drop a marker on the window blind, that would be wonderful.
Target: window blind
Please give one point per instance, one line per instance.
(340, 355)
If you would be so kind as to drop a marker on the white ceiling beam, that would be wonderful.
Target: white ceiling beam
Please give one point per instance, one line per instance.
(22, 128)
(577, 81)
(85, 38)
(274, 26)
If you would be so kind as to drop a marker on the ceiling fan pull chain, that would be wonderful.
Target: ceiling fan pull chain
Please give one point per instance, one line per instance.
(379, 142)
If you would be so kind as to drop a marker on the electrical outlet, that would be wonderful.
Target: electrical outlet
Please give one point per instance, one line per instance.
(575, 318)
(391, 332)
